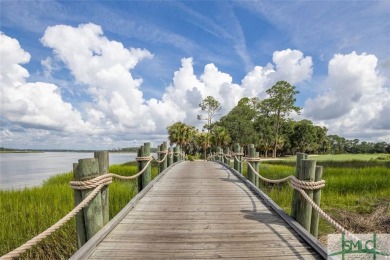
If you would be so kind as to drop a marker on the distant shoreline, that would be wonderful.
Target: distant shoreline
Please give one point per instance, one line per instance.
(21, 151)
(124, 150)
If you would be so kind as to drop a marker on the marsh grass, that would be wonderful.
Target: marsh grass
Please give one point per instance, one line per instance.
(26, 213)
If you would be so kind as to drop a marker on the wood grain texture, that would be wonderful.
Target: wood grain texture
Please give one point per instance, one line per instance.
(200, 210)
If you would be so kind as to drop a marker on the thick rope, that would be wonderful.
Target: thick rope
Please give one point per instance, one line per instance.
(226, 157)
(104, 179)
(162, 152)
(328, 218)
(32, 242)
(178, 154)
(98, 183)
(240, 161)
(253, 159)
(143, 158)
(163, 159)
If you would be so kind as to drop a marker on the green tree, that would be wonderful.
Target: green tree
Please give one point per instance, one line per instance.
(220, 136)
(337, 144)
(278, 106)
(203, 140)
(181, 134)
(265, 133)
(304, 136)
(239, 122)
(322, 141)
(211, 106)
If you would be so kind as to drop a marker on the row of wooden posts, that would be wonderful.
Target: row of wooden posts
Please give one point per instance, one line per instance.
(305, 170)
(95, 215)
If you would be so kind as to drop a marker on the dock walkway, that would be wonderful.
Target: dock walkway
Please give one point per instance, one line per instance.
(202, 210)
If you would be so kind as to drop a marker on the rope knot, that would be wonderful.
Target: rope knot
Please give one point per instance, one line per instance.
(307, 185)
(143, 158)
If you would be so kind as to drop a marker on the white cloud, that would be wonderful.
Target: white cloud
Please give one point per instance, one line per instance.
(11, 56)
(37, 105)
(104, 66)
(292, 66)
(257, 81)
(356, 101)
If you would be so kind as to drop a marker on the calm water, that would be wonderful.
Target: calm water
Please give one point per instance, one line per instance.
(19, 170)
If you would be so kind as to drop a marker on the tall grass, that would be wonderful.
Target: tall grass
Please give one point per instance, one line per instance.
(26, 213)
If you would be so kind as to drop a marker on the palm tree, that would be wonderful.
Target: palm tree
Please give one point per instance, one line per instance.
(204, 141)
(220, 136)
(181, 134)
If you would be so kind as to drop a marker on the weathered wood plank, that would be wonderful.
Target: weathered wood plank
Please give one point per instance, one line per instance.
(201, 210)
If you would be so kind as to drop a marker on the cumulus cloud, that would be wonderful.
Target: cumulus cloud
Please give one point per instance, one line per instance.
(356, 100)
(292, 66)
(37, 105)
(12, 55)
(104, 67)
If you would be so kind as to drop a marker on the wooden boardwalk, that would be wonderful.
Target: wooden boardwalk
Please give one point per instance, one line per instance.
(202, 210)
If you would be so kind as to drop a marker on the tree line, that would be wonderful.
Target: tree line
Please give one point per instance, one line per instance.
(267, 124)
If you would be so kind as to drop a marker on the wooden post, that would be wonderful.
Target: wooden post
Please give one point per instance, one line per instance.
(236, 149)
(304, 208)
(226, 157)
(178, 155)
(219, 156)
(257, 168)
(240, 157)
(92, 220)
(175, 155)
(163, 148)
(80, 223)
(146, 177)
(159, 158)
(317, 199)
(104, 164)
(140, 153)
(294, 202)
(170, 157)
(251, 154)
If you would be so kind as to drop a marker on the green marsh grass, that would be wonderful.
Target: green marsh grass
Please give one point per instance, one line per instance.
(26, 213)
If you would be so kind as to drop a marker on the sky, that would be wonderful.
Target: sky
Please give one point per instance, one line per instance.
(112, 74)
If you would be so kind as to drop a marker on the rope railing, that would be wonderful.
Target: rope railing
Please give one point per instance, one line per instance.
(97, 185)
(163, 159)
(238, 160)
(301, 186)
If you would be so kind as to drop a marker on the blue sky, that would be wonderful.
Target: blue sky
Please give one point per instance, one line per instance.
(106, 74)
